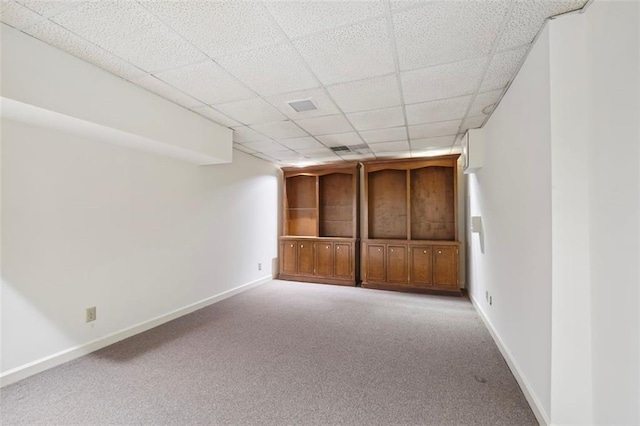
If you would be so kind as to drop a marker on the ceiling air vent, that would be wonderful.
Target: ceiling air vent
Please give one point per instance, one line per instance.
(302, 106)
(340, 149)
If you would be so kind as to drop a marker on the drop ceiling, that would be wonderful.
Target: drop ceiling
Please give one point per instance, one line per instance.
(389, 79)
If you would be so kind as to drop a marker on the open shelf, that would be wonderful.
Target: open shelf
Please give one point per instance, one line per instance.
(387, 204)
(301, 210)
(410, 225)
(320, 224)
(336, 205)
(432, 204)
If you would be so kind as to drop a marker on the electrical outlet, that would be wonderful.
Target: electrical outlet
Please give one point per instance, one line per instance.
(259, 266)
(490, 300)
(91, 314)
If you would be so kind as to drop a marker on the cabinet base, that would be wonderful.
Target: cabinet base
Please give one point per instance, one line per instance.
(317, 280)
(406, 289)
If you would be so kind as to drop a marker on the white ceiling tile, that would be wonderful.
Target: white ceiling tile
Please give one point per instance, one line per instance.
(428, 143)
(130, 32)
(446, 109)
(431, 130)
(528, 17)
(502, 68)
(357, 157)
(402, 4)
(341, 139)
(300, 18)
(317, 152)
(286, 155)
(325, 125)
(472, 122)
(279, 129)
(383, 155)
(49, 7)
(161, 88)
(433, 152)
(243, 148)
(219, 27)
(349, 53)
(444, 81)
(319, 97)
(385, 135)
(268, 158)
(66, 41)
(251, 111)
(265, 146)
(485, 102)
(446, 31)
(306, 143)
(207, 82)
(280, 70)
(245, 134)
(390, 146)
(216, 116)
(369, 94)
(16, 15)
(377, 119)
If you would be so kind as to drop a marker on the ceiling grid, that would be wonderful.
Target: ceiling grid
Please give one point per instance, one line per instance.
(389, 78)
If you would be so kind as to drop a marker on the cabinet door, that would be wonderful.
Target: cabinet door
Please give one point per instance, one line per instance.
(288, 263)
(421, 269)
(445, 266)
(397, 265)
(324, 259)
(343, 260)
(375, 263)
(305, 258)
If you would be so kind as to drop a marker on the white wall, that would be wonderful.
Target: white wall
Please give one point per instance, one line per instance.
(64, 91)
(87, 223)
(512, 195)
(571, 384)
(571, 114)
(613, 70)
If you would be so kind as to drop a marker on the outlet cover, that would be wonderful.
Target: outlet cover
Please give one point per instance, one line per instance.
(91, 314)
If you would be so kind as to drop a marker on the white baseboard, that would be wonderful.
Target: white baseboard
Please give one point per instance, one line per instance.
(531, 397)
(35, 367)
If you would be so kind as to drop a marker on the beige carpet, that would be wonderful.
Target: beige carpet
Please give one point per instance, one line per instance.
(289, 354)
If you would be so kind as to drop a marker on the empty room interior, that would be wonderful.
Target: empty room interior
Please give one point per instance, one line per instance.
(402, 212)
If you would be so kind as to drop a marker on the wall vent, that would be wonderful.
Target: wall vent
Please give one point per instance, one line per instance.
(340, 149)
(303, 105)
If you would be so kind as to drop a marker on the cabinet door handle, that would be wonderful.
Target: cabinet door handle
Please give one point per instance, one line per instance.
(327, 247)
(392, 250)
(378, 249)
(425, 252)
(291, 245)
(439, 251)
(301, 245)
(338, 248)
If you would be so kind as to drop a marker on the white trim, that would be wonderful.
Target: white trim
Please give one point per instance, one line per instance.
(533, 401)
(35, 367)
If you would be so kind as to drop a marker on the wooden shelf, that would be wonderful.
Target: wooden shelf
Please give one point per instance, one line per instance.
(410, 225)
(432, 203)
(387, 204)
(321, 224)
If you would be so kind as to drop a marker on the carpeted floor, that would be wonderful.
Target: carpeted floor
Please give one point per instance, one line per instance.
(289, 354)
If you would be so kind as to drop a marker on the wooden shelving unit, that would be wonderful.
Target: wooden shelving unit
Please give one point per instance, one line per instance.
(320, 224)
(410, 228)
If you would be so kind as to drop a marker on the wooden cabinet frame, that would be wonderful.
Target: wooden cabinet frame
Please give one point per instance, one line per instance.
(321, 209)
(395, 229)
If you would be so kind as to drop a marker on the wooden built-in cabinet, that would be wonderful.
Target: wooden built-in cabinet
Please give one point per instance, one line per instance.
(410, 225)
(320, 224)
